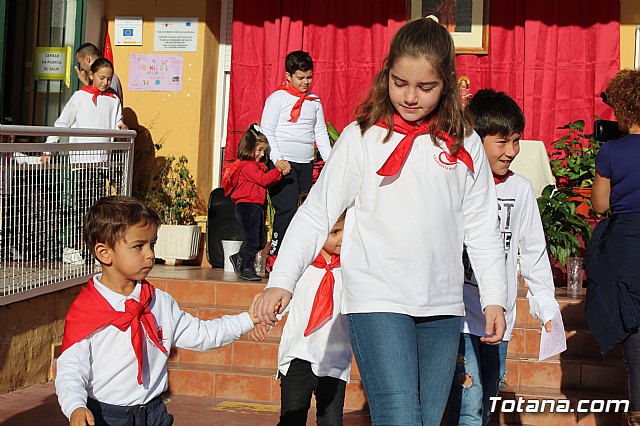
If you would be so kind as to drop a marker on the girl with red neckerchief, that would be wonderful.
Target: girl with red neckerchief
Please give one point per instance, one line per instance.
(417, 187)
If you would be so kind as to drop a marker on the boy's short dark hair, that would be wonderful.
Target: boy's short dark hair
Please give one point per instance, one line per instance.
(495, 113)
(298, 61)
(88, 49)
(109, 218)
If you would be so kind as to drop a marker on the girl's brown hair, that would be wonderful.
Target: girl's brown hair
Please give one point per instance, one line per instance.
(419, 39)
(250, 139)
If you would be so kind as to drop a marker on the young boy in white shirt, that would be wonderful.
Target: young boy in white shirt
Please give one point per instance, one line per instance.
(119, 330)
(481, 368)
(314, 357)
(292, 120)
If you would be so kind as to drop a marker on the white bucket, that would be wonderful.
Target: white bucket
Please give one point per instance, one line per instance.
(229, 248)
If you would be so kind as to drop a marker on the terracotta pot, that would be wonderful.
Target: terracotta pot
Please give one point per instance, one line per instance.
(582, 197)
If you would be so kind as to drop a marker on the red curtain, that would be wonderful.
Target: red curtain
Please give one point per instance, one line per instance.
(554, 57)
(348, 40)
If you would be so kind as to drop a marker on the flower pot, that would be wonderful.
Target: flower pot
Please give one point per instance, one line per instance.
(180, 242)
(582, 197)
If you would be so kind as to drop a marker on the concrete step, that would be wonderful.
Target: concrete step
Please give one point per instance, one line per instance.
(242, 383)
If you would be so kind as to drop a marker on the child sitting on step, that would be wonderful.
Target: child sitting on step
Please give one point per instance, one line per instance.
(119, 330)
(314, 356)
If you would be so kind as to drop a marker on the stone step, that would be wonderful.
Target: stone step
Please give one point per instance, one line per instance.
(242, 383)
(510, 411)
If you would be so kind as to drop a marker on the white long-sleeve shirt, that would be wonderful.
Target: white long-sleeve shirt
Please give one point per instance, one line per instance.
(81, 112)
(522, 233)
(328, 348)
(404, 234)
(103, 365)
(294, 141)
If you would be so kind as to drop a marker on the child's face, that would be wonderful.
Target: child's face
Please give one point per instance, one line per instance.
(133, 256)
(501, 150)
(414, 88)
(300, 80)
(260, 151)
(101, 79)
(334, 241)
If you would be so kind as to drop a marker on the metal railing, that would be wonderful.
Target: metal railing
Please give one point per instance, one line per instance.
(45, 190)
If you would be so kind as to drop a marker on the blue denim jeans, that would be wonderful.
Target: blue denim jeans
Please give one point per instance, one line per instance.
(480, 372)
(406, 364)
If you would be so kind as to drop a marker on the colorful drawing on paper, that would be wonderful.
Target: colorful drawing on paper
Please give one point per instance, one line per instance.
(155, 73)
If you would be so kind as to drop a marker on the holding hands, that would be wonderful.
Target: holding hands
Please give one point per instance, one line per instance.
(283, 166)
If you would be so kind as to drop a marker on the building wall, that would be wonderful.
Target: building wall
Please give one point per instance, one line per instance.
(29, 332)
(182, 121)
(629, 18)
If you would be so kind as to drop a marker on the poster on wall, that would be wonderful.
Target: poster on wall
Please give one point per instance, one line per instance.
(175, 35)
(128, 30)
(53, 63)
(155, 73)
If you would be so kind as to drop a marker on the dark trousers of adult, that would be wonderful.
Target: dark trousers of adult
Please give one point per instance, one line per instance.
(631, 349)
(250, 217)
(296, 389)
(153, 413)
(284, 197)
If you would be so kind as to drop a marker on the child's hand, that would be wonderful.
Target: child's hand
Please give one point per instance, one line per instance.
(45, 159)
(260, 332)
(252, 309)
(495, 325)
(548, 326)
(81, 417)
(283, 166)
(122, 126)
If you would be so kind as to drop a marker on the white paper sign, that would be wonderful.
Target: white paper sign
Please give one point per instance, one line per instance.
(128, 30)
(175, 35)
(554, 342)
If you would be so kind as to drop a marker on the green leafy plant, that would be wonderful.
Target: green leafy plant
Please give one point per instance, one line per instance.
(173, 192)
(333, 137)
(573, 160)
(563, 228)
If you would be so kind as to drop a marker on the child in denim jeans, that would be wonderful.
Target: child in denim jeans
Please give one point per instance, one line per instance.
(481, 367)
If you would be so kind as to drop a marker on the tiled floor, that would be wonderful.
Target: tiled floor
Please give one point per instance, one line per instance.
(37, 406)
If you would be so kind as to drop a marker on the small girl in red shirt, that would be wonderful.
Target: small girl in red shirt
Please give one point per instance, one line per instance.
(249, 179)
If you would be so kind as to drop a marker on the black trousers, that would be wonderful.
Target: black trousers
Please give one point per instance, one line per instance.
(284, 197)
(153, 413)
(250, 217)
(296, 389)
(631, 349)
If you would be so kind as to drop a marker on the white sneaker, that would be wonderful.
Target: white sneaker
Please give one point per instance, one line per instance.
(72, 256)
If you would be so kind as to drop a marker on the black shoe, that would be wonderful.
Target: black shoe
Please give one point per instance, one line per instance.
(236, 261)
(249, 274)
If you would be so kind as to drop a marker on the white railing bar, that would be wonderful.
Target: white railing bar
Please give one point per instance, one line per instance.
(6, 129)
(64, 147)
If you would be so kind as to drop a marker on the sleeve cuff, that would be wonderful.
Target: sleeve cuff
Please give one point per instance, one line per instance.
(246, 323)
(497, 299)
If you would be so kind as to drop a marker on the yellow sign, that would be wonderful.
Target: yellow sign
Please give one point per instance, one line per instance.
(53, 63)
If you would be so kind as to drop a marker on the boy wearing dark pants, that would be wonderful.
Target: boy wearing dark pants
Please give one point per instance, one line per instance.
(120, 329)
(292, 120)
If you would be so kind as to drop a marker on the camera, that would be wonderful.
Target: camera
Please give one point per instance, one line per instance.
(606, 130)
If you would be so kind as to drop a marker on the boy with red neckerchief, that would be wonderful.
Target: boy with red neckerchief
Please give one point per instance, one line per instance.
(120, 329)
(292, 120)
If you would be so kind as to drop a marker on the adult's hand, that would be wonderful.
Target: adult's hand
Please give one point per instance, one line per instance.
(495, 325)
(82, 75)
(272, 301)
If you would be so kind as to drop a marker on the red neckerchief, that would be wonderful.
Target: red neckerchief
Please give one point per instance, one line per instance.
(501, 178)
(322, 309)
(396, 160)
(91, 311)
(297, 107)
(95, 92)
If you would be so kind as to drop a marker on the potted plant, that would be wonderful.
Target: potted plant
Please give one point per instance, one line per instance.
(573, 162)
(174, 196)
(565, 231)
(318, 163)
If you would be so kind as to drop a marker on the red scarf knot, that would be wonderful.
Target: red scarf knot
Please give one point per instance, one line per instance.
(91, 311)
(501, 178)
(322, 309)
(95, 92)
(297, 107)
(411, 130)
